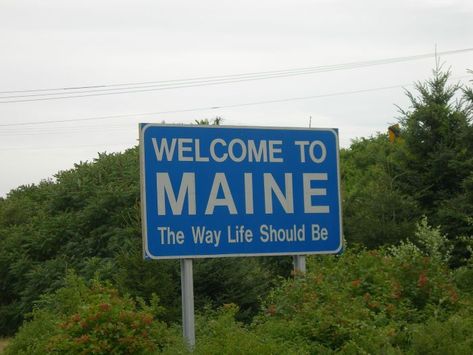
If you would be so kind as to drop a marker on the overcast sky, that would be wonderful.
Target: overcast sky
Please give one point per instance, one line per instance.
(64, 44)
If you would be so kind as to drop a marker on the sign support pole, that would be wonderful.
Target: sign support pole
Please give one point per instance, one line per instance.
(187, 292)
(299, 264)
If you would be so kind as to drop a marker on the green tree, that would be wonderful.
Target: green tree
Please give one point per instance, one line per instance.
(438, 155)
(468, 92)
(375, 210)
(216, 121)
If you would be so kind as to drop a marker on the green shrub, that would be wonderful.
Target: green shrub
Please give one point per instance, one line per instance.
(360, 302)
(33, 336)
(81, 319)
(452, 336)
(219, 333)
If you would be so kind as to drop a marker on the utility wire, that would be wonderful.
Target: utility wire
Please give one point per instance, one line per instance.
(67, 147)
(114, 89)
(323, 67)
(64, 131)
(167, 86)
(208, 108)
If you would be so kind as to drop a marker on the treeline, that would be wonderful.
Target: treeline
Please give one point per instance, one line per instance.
(399, 282)
(426, 171)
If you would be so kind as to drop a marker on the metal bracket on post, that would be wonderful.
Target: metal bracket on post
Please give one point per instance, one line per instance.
(187, 292)
(299, 264)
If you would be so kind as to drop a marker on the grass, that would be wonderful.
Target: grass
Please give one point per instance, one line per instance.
(3, 344)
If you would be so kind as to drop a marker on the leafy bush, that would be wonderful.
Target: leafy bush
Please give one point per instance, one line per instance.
(432, 242)
(92, 320)
(361, 302)
(452, 336)
(33, 336)
(219, 333)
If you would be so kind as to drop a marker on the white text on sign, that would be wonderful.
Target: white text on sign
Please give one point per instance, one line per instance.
(237, 150)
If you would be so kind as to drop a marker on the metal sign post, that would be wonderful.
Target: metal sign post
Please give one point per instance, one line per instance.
(187, 293)
(299, 264)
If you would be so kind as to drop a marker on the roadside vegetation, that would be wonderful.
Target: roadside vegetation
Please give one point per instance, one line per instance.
(72, 278)
(3, 344)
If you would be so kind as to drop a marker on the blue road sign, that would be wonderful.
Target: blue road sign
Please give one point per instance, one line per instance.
(213, 191)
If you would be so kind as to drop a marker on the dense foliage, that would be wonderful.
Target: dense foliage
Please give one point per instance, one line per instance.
(376, 210)
(367, 301)
(401, 287)
(92, 319)
(395, 300)
(427, 170)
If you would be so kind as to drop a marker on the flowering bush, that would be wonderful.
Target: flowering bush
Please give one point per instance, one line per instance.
(363, 301)
(110, 325)
(93, 320)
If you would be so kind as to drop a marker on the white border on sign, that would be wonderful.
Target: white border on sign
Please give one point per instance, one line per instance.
(144, 232)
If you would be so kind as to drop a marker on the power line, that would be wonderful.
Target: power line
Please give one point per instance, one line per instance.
(64, 147)
(64, 131)
(143, 88)
(323, 67)
(211, 108)
(115, 89)
(208, 108)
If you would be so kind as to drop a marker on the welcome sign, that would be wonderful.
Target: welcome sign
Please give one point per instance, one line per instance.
(213, 191)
